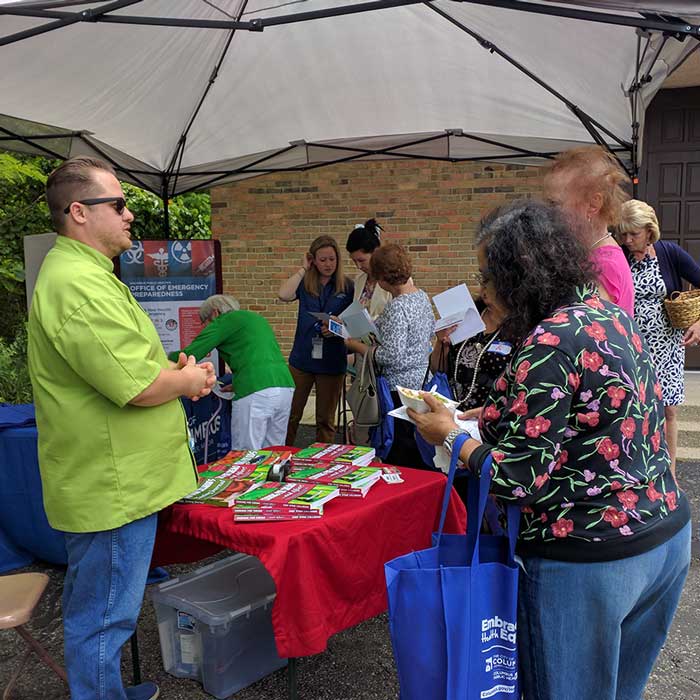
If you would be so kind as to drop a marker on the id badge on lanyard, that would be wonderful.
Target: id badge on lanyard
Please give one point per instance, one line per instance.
(317, 340)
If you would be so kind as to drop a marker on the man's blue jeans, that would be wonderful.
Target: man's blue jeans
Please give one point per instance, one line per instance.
(102, 597)
(593, 631)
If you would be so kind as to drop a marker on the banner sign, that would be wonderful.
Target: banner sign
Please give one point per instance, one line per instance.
(170, 279)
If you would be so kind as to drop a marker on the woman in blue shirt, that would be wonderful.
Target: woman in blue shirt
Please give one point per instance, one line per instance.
(321, 287)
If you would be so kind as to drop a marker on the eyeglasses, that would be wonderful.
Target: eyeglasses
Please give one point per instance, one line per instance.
(118, 202)
(481, 278)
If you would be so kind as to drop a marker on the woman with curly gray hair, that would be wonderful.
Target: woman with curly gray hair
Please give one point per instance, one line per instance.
(574, 430)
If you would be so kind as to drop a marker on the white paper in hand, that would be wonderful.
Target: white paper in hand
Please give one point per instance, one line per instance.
(358, 322)
(458, 300)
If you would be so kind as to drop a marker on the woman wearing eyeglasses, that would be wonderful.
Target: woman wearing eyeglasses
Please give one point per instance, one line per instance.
(574, 432)
(473, 365)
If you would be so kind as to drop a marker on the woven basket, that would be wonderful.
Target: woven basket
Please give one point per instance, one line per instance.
(683, 308)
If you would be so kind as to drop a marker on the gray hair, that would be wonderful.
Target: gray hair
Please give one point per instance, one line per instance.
(221, 303)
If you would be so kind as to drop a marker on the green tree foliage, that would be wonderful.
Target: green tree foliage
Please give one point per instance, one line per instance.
(190, 215)
(15, 386)
(23, 211)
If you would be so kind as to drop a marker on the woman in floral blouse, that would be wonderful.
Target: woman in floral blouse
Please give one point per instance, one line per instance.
(575, 430)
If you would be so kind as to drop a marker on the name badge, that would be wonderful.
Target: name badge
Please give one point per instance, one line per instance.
(501, 347)
(317, 348)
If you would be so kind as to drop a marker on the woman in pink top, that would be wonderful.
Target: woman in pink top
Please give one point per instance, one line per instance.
(586, 183)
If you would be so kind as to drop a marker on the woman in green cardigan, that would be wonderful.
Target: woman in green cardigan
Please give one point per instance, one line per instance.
(262, 385)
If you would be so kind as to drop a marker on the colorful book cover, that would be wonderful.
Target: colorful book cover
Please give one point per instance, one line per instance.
(326, 452)
(346, 477)
(218, 492)
(249, 472)
(258, 458)
(274, 495)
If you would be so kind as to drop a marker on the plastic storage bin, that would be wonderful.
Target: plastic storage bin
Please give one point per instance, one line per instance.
(215, 625)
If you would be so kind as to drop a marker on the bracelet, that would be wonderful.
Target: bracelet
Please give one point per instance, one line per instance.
(451, 437)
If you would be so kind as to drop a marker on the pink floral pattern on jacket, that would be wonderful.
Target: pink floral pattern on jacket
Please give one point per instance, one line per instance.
(576, 424)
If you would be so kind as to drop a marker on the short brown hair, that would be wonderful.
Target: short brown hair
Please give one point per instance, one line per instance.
(69, 182)
(596, 170)
(391, 264)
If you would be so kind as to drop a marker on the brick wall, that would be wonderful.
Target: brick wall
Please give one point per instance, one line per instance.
(266, 224)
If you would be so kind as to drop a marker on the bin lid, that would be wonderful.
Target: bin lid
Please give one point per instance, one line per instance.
(219, 592)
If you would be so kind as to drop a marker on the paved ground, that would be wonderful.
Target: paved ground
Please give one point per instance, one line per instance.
(358, 664)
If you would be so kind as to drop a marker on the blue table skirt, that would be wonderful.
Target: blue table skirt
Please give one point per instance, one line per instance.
(22, 517)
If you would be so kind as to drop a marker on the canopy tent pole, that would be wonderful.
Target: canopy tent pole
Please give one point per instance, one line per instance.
(64, 19)
(114, 164)
(166, 206)
(651, 22)
(12, 136)
(492, 48)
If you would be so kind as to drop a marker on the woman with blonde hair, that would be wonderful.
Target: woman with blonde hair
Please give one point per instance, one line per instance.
(586, 184)
(658, 269)
(316, 360)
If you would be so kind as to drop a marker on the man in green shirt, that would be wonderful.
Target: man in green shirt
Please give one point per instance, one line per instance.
(113, 446)
(263, 386)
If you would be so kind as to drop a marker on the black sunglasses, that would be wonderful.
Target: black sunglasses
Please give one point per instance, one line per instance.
(119, 203)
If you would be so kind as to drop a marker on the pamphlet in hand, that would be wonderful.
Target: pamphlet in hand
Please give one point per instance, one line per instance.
(337, 328)
(454, 301)
(451, 320)
(358, 322)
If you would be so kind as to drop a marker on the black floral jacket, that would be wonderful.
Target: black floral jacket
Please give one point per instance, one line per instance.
(576, 430)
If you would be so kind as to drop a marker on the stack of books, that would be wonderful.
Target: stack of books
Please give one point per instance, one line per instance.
(217, 491)
(357, 455)
(319, 473)
(245, 464)
(272, 500)
(348, 479)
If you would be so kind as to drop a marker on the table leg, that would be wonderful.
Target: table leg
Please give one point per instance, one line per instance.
(292, 679)
(135, 661)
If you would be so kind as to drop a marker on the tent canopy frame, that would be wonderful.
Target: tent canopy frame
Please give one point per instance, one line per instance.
(57, 18)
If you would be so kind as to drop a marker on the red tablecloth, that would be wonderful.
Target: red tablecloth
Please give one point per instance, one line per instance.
(329, 572)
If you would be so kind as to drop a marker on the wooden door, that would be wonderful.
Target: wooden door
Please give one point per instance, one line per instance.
(670, 179)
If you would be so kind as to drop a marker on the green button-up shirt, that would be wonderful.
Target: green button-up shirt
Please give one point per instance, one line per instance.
(92, 349)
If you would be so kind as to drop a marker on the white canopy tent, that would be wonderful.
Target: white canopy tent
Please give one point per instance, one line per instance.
(183, 94)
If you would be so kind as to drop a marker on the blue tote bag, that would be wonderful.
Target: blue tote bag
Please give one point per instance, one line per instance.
(453, 608)
(439, 381)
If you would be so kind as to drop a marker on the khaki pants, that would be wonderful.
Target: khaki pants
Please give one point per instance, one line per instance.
(328, 390)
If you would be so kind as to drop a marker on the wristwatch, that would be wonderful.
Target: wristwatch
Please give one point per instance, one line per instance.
(451, 437)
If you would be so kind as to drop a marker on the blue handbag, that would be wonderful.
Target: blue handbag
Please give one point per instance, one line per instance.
(382, 436)
(453, 607)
